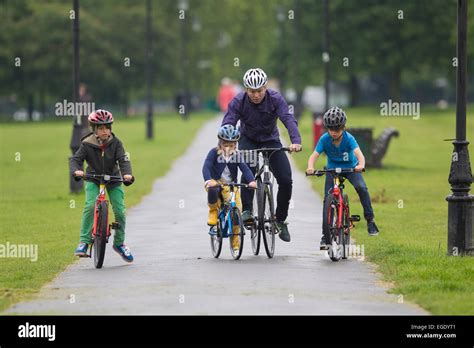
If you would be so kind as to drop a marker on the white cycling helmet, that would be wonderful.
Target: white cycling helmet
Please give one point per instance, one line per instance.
(255, 78)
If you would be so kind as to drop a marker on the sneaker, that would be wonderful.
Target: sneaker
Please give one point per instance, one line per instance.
(282, 229)
(323, 245)
(81, 249)
(372, 228)
(124, 251)
(247, 216)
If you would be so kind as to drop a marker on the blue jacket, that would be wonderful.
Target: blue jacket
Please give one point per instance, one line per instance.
(258, 122)
(214, 166)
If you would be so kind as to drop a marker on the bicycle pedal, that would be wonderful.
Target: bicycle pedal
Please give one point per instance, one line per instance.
(115, 225)
(212, 231)
(355, 217)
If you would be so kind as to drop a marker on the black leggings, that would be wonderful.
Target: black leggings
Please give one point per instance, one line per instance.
(281, 169)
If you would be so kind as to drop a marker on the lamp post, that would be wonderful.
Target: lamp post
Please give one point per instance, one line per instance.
(460, 202)
(326, 56)
(79, 127)
(280, 16)
(184, 90)
(149, 71)
(197, 81)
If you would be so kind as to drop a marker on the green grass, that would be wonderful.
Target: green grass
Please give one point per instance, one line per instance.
(35, 203)
(408, 196)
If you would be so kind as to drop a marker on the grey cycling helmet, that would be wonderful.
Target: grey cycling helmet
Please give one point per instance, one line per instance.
(255, 78)
(229, 133)
(334, 118)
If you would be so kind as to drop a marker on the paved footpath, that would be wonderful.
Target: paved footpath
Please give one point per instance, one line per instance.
(175, 273)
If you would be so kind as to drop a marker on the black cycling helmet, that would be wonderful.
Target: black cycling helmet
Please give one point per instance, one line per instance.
(334, 118)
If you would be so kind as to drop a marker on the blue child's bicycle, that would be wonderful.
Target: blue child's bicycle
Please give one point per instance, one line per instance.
(229, 217)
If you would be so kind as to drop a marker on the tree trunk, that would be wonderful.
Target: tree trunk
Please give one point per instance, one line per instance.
(30, 107)
(354, 89)
(395, 83)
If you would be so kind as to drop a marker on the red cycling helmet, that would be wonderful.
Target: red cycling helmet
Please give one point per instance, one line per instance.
(100, 116)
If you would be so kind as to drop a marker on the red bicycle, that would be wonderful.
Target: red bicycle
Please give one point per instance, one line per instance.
(337, 221)
(101, 227)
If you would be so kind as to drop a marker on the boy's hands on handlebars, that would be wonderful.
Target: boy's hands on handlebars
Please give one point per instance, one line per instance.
(310, 171)
(253, 184)
(359, 168)
(211, 183)
(128, 179)
(79, 173)
(296, 147)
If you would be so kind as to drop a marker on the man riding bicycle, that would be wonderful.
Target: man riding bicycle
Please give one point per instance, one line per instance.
(258, 110)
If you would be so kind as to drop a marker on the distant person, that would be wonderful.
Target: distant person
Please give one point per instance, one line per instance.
(84, 95)
(342, 151)
(237, 87)
(225, 94)
(258, 110)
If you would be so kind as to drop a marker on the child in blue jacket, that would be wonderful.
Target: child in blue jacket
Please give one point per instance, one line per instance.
(221, 167)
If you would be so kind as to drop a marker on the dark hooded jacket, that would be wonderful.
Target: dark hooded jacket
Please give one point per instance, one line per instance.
(114, 162)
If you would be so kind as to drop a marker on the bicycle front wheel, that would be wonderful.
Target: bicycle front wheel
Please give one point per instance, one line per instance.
(346, 224)
(268, 226)
(100, 240)
(330, 227)
(254, 230)
(237, 234)
(216, 241)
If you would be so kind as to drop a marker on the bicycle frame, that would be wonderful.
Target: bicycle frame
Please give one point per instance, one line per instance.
(337, 192)
(100, 198)
(265, 167)
(225, 216)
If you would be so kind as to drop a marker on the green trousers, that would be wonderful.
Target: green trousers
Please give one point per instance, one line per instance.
(116, 197)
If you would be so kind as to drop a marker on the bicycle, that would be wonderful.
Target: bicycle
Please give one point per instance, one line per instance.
(337, 221)
(101, 228)
(229, 215)
(263, 211)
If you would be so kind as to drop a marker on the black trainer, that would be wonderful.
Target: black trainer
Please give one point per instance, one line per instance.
(323, 245)
(282, 228)
(372, 228)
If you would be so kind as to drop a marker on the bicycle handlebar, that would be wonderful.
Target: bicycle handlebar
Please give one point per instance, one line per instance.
(269, 149)
(105, 177)
(234, 185)
(333, 170)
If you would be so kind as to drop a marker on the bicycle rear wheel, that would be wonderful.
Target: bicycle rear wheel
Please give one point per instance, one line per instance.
(100, 240)
(254, 230)
(330, 227)
(346, 223)
(216, 241)
(268, 223)
(236, 222)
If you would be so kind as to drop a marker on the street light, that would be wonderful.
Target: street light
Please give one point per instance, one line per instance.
(149, 71)
(326, 55)
(197, 27)
(461, 202)
(183, 6)
(79, 128)
(280, 16)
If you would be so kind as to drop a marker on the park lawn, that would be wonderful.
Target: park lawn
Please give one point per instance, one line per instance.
(36, 206)
(408, 196)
